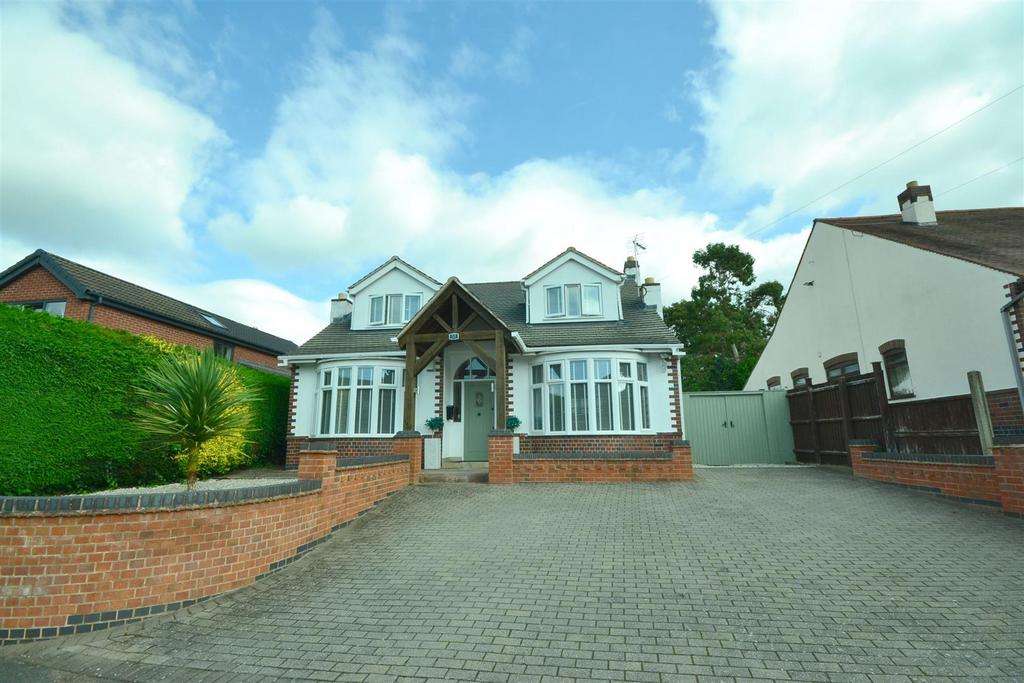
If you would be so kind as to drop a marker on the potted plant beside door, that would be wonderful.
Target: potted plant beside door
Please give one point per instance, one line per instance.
(432, 444)
(512, 424)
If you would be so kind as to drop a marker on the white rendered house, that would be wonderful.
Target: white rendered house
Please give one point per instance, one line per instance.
(578, 351)
(924, 293)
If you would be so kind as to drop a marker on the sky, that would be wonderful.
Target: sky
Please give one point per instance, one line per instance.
(256, 158)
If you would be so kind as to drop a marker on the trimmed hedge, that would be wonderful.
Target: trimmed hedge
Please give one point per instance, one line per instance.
(66, 404)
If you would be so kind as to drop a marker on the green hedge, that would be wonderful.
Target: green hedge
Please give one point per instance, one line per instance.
(66, 402)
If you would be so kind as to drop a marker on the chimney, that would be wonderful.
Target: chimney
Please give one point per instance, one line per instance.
(916, 204)
(340, 307)
(631, 268)
(651, 292)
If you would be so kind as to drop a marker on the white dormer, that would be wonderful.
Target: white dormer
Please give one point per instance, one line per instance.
(573, 287)
(390, 295)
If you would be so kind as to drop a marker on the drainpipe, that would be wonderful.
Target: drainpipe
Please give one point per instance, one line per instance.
(92, 307)
(1018, 372)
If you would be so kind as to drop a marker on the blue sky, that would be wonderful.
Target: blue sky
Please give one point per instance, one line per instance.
(256, 158)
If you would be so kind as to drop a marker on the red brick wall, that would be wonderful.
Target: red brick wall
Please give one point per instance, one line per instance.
(55, 566)
(1010, 476)
(38, 285)
(594, 443)
(351, 447)
(499, 459)
(679, 468)
(117, 319)
(675, 395)
(973, 482)
(1005, 408)
(252, 356)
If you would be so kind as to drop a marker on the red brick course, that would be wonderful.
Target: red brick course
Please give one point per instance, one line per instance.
(1001, 483)
(594, 443)
(675, 395)
(53, 566)
(499, 459)
(347, 447)
(1005, 409)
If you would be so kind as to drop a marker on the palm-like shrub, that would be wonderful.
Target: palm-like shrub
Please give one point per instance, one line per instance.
(188, 401)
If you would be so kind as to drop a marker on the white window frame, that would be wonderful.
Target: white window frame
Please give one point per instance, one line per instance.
(375, 387)
(600, 302)
(563, 295)
(383, 317)
(387, 301)
(642, 423)
(560, 313)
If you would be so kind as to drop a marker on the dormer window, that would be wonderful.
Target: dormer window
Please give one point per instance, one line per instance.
(395, 309)
(572, 300)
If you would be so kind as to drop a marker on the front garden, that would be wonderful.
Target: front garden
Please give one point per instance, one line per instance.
(68, 400)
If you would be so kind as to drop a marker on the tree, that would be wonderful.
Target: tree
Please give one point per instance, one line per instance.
(188, 401)
(725, 323)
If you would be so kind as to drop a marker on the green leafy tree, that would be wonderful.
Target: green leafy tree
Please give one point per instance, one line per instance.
(725, 323)
(188, 401)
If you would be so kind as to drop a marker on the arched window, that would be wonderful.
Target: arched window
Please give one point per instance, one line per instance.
(474, 368)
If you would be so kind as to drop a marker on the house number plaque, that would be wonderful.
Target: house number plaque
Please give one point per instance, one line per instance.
(453, 336)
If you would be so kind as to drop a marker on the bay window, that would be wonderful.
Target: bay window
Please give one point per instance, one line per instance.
(580, 395)
(359, 399)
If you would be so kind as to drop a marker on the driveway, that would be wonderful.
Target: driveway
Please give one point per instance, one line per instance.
(777, 573)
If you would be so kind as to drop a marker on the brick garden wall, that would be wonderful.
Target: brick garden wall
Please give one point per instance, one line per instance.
(992, 481)
(78, 571)
(591, 443)
(355, 447)
(1007, 415)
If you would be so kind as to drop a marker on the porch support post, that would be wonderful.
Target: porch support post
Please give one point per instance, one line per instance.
(501, 378)
(409, 401)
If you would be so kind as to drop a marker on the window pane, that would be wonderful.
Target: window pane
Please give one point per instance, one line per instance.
(325, 412)
(556, 407)
(412, 304)
(394, 309)
(645, 408)
(625, 370)
(573, 304)
(577, 369)
(626, 407)
(641, 372)
(538, 408)
(387, 376)
(327, 378)
(341, 413)
(591, 299)
(57, 308)
(385, 411)
(851, 369)
(555, 371)
(554, 300)
(363, 411)
(344, 377)
(538, 374)
(602, 369)
(604, 406)
(579, 407)
(898, 369)
(365, 377)
(376, 310)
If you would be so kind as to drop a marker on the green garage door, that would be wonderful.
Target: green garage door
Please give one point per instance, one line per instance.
(738, 427)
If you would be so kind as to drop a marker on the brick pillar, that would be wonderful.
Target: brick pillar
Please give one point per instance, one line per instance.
(317, 464)
(857, 448)
(682, 460)
(410, 444)
(499, 457)
(1010, 475)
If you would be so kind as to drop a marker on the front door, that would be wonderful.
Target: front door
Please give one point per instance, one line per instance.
(477, 418)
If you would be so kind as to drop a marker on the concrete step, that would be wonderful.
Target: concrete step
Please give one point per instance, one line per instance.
(449, 476)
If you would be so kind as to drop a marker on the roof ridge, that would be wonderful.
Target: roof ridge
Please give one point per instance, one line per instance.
(938, 213)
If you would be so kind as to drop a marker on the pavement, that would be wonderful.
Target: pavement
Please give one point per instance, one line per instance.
(767, 574)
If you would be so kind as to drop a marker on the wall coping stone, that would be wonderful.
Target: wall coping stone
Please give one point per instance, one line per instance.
(862, 442)
(609, 455)
(1008, 440)
(149, 502)
(933, 458)
(363, 460)
(501, 432)
(411, 434)
(681, 442)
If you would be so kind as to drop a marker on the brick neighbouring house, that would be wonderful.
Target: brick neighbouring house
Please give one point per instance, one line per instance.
(577, 350)
(48, 282)
(929, 294)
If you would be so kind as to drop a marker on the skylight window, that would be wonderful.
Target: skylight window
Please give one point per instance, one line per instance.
(210, 319)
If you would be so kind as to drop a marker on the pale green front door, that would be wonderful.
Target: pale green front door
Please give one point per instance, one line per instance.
(477, 418)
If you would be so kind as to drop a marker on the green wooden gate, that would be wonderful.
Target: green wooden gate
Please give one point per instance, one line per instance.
(738, 427)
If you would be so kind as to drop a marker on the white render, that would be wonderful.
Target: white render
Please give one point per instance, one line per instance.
(394, 279)
(571, 268)
(869, 290)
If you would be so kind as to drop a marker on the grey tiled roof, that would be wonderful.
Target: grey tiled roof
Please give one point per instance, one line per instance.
(89, 283)
(640, 325)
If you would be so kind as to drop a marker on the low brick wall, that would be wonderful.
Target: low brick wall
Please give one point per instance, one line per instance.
(991, 481)
(75, 564)
(603, 443)
(674, 463)
(354, 447)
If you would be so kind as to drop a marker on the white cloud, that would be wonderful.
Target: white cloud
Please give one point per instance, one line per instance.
(807, 95)
(91, 155)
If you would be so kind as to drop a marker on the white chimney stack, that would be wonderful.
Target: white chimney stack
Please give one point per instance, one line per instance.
(340, 307)
(651, 292)
(631, 268)
(916, 204)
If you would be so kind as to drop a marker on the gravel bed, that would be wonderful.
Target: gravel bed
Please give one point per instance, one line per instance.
(203, 485)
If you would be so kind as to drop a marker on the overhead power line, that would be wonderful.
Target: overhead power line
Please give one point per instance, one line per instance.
(892, 158)
(979, 177)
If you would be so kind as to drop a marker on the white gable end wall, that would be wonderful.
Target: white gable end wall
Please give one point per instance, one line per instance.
(868, 291)
(573, 272)
(393, 282)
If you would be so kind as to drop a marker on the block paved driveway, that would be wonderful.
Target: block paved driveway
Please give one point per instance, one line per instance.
(802, 574)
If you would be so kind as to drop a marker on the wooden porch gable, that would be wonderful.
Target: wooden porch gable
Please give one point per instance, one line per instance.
(453, 315)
